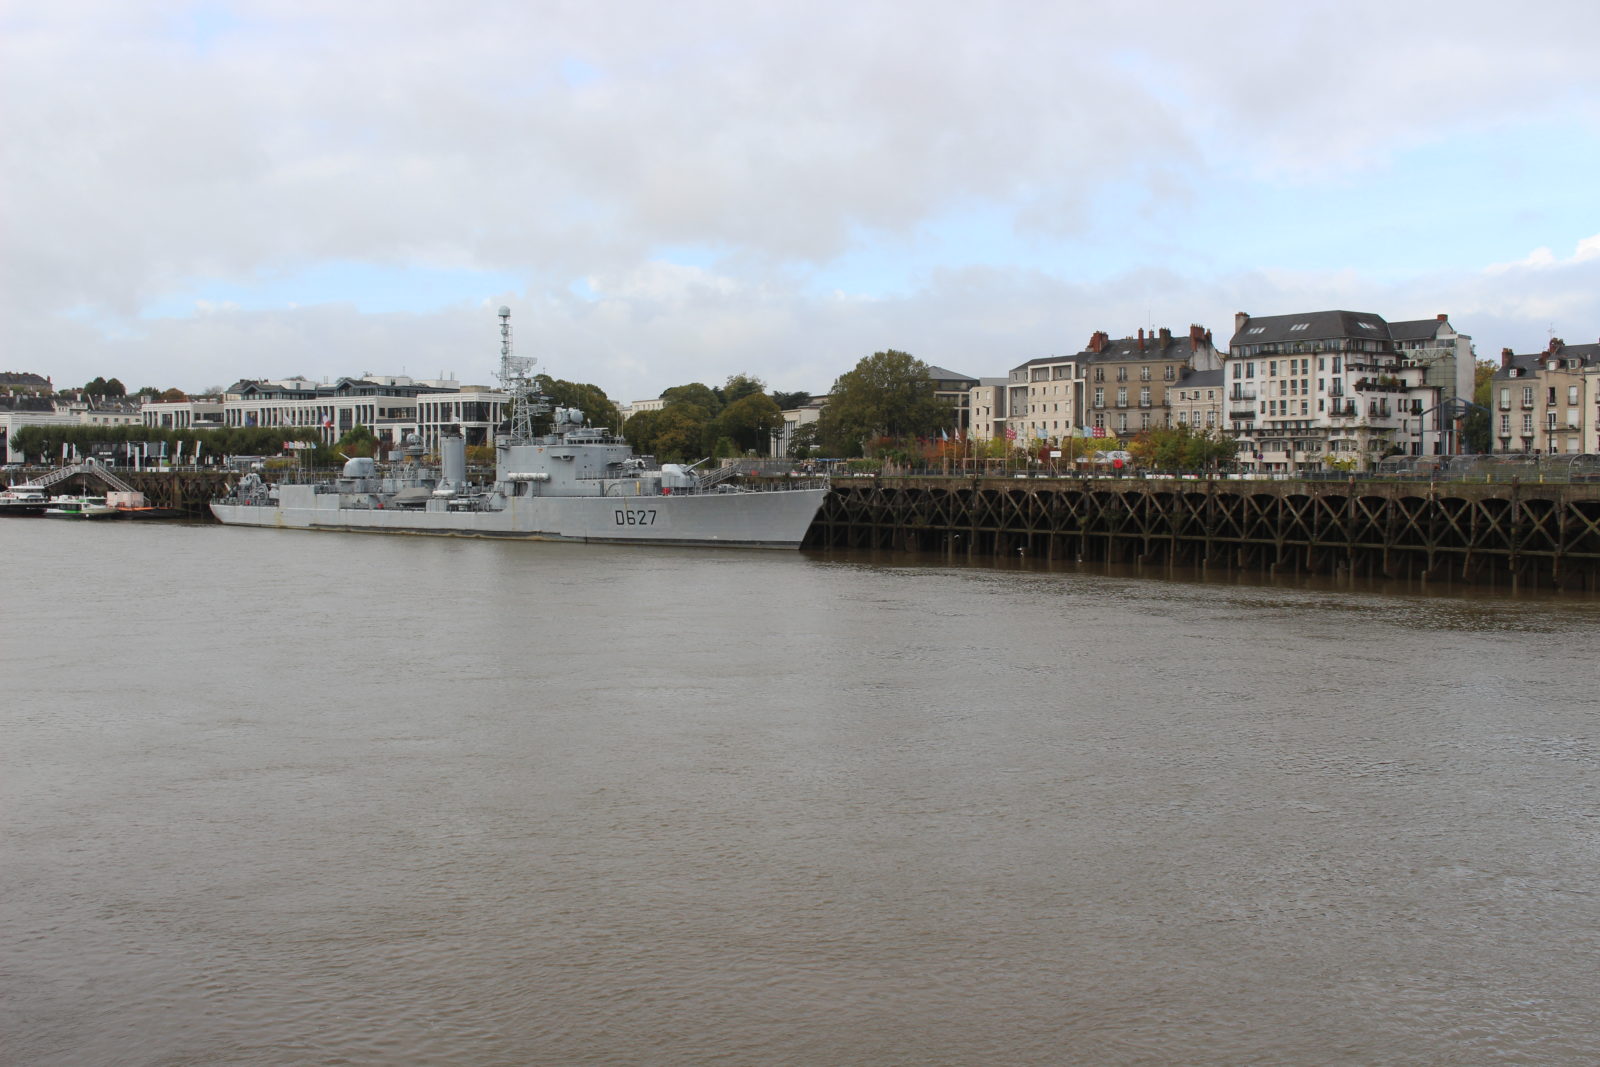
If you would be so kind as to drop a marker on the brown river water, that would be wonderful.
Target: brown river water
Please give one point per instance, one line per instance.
(287, 798)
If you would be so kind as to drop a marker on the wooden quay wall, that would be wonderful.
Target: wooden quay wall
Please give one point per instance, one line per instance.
(1518, 535)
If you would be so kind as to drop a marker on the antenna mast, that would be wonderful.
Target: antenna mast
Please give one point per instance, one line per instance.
(516, 377)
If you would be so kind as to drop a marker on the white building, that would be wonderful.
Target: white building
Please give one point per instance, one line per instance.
(1330, 390)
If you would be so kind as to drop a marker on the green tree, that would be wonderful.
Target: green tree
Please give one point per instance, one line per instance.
(790, 401)
(740, 386)
(887, 394)
(105, 387)
(641, 431)
(703, 396)
(681, 432)
(357, 441)
(1179, 448)
(750, 422)
(1477, 428)
(803, 442)
(589, 399)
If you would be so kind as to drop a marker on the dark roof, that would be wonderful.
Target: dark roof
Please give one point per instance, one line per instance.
(27, 403)
(939, 374)
(1200, 379)
(1524, 366)
(1127, 350)
(1313, 325)
(1532, 363)
(1416, 329)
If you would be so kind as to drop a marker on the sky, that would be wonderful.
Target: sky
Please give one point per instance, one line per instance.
(194, 193)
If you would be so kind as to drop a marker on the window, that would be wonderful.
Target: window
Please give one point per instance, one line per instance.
(1144, 397)
(1572, 394)
(1122, 397)
(1256, 329)
(1100, 398)
(1300, 326)
(1211, 419)
(1272, 368)
(1527, 396)
(1183, 418)
(1368, 326)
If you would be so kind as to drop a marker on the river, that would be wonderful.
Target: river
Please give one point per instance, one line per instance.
(286, 798)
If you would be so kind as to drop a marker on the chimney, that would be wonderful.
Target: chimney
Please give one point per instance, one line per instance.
(1506, 356)
(1166, 337)
(1239, 319)
(1097, 343)
(1442, 317)
(1141, 338)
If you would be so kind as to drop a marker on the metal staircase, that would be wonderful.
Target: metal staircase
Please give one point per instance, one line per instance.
(88, 466)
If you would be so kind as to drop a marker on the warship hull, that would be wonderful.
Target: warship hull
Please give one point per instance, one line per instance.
(746, 519)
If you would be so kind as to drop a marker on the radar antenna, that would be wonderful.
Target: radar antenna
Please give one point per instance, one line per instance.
(516, 376)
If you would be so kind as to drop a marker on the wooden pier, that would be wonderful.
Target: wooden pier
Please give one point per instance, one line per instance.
(1516, 535)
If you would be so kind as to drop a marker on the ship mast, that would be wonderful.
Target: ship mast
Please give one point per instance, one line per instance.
(516, 376)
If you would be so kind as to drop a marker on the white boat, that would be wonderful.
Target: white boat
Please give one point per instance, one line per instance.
(80, 507)
(575, 483)
(23, 500)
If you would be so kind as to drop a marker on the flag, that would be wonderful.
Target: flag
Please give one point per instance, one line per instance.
(1099, 431)
(1011, 433)
(944, 435)
(327, 422)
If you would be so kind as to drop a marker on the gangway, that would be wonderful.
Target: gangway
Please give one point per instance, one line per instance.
(88, 466)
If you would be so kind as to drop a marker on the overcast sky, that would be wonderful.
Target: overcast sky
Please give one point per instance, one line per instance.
(191, 193)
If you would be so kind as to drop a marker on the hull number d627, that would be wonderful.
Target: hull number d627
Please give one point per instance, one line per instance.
(633, 517)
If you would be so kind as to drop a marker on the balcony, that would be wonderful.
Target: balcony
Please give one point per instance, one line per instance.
(1247, 411)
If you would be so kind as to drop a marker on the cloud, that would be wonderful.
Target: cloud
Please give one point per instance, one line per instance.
(174, 155)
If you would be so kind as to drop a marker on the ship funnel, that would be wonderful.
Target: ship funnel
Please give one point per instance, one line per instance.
(453, 459)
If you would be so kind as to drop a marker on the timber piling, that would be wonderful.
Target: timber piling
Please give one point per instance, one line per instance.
(1523, 536)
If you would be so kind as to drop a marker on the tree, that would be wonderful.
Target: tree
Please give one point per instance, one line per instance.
(641, 431)
(104, 387)
(789, 401)
(173, 394)
(888, 394)
(357, 441)
(589, 399)
(705, 397)
(803, 442)
(750, 421)
(740, 386)
(681, 431)
(1180, 448)
(1477, 429)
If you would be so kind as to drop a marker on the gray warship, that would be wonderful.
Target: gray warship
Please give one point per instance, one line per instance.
(575, 483)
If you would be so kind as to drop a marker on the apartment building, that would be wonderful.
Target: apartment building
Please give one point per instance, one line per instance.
(1113, 388)
(1547, 402)
(986, 409)
(1195, 400)
(1322, 389)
